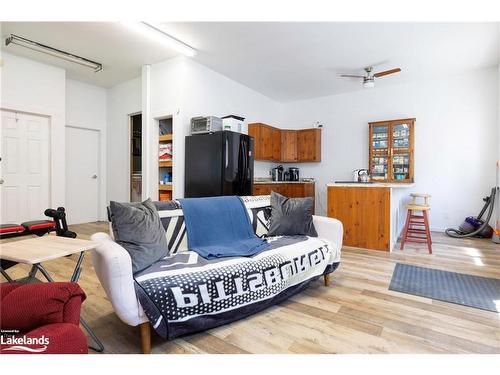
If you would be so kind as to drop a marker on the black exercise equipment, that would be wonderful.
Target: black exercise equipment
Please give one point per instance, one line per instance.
(476, 226)
(39, 228)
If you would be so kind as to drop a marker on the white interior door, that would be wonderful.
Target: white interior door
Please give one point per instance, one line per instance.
(82, 175)
(24, 167)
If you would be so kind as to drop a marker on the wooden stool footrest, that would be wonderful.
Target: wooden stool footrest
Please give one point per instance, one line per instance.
(417, 227)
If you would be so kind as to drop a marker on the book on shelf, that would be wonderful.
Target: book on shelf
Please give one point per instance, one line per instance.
(165, 152)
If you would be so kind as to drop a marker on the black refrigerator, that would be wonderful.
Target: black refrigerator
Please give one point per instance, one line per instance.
(219, 163)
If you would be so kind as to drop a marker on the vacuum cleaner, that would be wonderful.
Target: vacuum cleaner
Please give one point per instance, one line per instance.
(476, 226)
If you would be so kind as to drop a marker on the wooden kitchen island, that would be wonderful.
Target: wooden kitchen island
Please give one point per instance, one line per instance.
(372, 214)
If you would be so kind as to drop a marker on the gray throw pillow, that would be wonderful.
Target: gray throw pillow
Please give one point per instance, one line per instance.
(291, 216)
(137, 227)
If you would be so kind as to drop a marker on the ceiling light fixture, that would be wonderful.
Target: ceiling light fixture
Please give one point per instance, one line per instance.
(158, 35)
(368, 83)
(35, 46)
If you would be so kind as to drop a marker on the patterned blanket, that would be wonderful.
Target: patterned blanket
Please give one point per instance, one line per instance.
(185, 293)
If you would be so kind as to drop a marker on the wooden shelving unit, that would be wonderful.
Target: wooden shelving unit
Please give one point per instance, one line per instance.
(165, 164)
(165, 187)
(166, 137)
(165, 190)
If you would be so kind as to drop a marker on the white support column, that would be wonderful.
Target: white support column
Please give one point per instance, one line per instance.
(149, 150)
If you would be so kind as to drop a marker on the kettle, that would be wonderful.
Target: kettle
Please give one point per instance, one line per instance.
(361, 175)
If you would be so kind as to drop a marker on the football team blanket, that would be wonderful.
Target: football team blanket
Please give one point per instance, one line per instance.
(186, 293)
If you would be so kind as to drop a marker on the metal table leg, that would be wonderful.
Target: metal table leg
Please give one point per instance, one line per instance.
(74, 279)
(32, 274)
(6, 275)
(90, 331)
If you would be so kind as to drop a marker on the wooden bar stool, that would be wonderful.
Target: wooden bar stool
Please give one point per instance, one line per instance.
(417, 226)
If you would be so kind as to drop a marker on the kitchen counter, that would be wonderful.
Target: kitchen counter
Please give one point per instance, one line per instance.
(372, 185)
(269, 181)
(373, 214)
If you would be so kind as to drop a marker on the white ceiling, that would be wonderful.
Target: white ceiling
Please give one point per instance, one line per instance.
(284, 61)
(119, 49)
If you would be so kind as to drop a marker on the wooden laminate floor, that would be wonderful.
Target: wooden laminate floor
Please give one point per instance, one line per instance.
(355, 314)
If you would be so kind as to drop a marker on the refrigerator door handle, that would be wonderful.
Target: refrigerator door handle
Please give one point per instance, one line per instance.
(241, 165)
(245, 161)
(227, 152)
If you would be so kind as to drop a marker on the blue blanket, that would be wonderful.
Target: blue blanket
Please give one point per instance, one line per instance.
(220, 227)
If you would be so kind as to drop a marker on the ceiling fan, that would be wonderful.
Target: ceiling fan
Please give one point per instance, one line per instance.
(369, 78)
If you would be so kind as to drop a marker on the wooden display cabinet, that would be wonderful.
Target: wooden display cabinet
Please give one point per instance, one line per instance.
(391, 156)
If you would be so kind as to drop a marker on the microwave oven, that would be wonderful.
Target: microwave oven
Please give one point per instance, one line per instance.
(208, 124)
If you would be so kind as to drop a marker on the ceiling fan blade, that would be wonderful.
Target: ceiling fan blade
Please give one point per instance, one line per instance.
(351, 76)
(386, 72)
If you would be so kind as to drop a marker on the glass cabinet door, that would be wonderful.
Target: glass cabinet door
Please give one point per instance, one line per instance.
(400, 151)
(379, 155)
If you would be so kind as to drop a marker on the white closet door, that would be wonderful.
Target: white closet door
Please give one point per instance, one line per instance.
(24, 167)
(82, 175)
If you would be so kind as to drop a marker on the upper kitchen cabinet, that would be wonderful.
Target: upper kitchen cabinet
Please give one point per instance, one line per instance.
(391, 156)
(285, 145)
(309, 145)
(263, 141)
(276, 143)
(289, 145)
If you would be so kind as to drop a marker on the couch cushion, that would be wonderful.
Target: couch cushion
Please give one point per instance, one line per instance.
(137, 227)
(291, 216)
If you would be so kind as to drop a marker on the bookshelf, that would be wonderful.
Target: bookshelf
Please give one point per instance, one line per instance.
(165, 156)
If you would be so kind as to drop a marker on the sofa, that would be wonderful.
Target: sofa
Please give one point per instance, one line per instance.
(197, 293)
(41, 318)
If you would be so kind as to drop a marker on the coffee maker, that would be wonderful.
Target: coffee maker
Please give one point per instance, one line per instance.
(294, 173)
(277, 173)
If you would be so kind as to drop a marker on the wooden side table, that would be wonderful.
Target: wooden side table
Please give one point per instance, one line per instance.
(35, 251)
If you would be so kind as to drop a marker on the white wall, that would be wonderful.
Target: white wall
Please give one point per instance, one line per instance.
(122, 100)
(29, 86)
(456, 141)
(186, 89)
(86, 108)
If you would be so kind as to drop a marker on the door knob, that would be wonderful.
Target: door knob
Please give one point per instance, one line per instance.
(94, 176)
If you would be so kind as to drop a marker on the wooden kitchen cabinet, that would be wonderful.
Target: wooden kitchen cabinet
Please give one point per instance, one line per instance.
(263, 141)
(285, 145)
(391, 150)
(365, 213)
(287, 189)
(276, 144)
(309, 145)
(288, 145)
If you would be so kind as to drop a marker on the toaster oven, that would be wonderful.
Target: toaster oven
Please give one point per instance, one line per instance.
(208, 124)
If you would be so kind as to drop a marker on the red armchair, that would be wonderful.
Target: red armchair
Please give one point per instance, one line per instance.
(41, 318)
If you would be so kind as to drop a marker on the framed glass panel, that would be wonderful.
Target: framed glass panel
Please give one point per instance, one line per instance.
(400, 136)
(378, 167)
(380, 138)
(401, 166)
